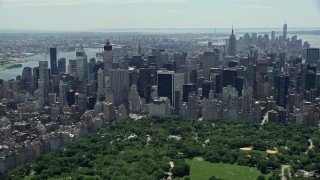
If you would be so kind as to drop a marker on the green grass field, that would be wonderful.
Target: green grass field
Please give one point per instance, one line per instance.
(203, 170)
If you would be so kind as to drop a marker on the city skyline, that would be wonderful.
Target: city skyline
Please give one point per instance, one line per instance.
(156, 14)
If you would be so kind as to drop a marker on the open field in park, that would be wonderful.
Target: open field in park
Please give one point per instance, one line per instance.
(203, 170)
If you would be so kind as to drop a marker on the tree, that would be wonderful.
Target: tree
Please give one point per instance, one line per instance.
(261, 177)
(263, 166)
(181, 168)
(213, 178)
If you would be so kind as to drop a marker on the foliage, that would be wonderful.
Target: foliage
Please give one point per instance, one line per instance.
(142, 149)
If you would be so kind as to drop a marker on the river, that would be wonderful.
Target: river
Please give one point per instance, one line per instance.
(33, 61)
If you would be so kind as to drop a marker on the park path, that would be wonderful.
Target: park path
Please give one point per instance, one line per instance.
(265, 119)
(283, 168)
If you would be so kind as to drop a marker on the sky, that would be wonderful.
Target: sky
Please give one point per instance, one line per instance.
(157, 14)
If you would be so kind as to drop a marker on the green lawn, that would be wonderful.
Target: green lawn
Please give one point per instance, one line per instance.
(203, 170)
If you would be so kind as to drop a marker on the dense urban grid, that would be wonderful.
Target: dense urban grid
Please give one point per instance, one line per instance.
(255, 78)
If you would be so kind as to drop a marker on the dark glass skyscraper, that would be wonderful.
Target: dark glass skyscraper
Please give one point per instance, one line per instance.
(281, 86)
(312, 55)
(53, 61)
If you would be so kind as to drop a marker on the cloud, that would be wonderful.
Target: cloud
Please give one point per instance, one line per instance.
(78, 2)
(255, 6)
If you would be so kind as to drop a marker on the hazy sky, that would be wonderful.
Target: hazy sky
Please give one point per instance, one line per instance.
(98, 14)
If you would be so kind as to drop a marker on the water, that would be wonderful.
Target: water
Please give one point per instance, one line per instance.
(314, 41)
(33, 61)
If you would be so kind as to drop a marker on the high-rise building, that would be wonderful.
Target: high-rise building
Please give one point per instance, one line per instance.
(100, 81)
(312, 56)
(107, 57)
(119, 81)
(62, 93)
(281, 86)
(187, 89)
(72, 67)
(168, 83)
(82, 65)
(145, 79)
(134, 100)
(53, 61)
(232, 50)
(285, 31)
(209, 60)
(62, 65)
(43, 83)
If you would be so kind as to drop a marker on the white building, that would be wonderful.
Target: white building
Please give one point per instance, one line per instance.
(160, 106)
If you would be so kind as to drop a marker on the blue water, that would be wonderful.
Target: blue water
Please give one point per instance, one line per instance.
(33, 61)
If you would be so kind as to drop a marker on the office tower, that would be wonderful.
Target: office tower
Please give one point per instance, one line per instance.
(312, 56)
(187, 89)
(72, 67)
(168, 83)
(209, 60)
(134, 100)
(229, 77)
(92, 70)
(53, 61)
(100, 81)
(144, 80)
(281, 86)
(62, 93)
(161, 57)
(119, 81)
(62, 65)
(285, 28)
(206, 88)
(82, 65)
(43, 83)
(232, 48)
(193, 76)
(308, 79)
(107, 57)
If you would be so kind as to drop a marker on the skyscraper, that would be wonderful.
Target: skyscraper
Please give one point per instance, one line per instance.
(232, 50)
(119, 81)
(81, 63)
(285, 27)
(281, 86)
(53, 61)
(100, 80)
(62, 65)
(168, 83)
(107, 57)
(43, 83)
(312, 55)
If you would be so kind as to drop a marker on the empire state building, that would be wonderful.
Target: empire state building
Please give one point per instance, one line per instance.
(232, 49)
